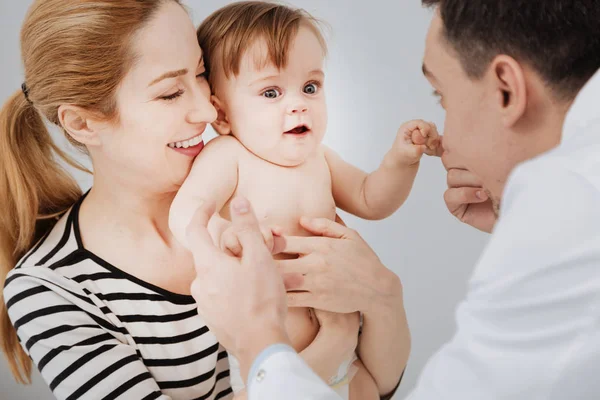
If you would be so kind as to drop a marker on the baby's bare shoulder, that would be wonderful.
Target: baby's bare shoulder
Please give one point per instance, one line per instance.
(224, 145)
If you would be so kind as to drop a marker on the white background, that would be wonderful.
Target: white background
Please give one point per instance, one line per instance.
(373, 84)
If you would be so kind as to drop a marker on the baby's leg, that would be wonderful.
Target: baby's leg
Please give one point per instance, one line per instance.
(362, 386)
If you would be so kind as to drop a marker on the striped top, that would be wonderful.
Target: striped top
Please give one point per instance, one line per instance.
(96, 332)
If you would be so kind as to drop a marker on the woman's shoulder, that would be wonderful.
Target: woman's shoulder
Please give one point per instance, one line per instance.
(57, 241)
(52, 262)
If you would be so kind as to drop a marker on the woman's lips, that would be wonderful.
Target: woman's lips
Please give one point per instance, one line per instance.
(191, 151)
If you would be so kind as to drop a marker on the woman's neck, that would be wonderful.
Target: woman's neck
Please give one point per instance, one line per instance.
(130, 210)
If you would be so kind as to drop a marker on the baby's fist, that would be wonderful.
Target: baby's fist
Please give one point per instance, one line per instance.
(415, 138)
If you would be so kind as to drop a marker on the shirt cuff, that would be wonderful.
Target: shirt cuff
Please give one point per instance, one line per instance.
(264, 355)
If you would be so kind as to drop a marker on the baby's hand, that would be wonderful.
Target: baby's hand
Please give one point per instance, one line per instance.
(413, 139)
(230, 243)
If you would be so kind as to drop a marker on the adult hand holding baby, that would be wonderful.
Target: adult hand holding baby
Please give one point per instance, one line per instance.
(337, 271)
(257, 321)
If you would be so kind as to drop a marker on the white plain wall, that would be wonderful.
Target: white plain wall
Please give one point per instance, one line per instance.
(373, 84)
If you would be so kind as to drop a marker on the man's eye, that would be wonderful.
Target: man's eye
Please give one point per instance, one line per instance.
(271, 94)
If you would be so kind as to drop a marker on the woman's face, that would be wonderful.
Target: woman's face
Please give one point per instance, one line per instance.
(163, 102)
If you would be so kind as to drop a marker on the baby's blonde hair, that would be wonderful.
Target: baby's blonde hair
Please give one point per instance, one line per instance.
(230, 31)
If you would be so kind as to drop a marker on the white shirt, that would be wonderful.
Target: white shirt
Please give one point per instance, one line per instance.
(529, 327)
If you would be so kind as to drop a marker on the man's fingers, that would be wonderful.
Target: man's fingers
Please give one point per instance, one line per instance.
(299, 244)
(246, 225)
(301, 299)
(461, 178)
(293, 281)
(457, 197)
(267, 234)
(301, 266)
(326, 227)
(199, 240)
(278, 244)
(230, 243)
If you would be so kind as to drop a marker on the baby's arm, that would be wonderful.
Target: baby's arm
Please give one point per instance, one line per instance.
(212, 179)
(379, 194)
(362, 385)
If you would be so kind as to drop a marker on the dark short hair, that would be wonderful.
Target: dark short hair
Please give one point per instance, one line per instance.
(560, 39)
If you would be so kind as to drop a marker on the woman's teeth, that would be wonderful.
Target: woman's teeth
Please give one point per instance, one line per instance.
(186, 143)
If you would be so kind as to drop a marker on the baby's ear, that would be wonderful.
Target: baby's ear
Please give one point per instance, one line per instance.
(221, 124)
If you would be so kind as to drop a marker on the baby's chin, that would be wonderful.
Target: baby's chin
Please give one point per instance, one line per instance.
(285, 160)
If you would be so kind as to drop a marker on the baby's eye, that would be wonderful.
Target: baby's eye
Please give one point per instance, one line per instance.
(311, 88)
(271, 93)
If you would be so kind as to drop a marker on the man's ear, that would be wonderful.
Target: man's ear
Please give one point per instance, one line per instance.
(221, 124)
(511, 88)
(78, 123)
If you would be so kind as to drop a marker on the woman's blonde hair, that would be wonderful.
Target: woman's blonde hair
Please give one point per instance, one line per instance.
(74, 52)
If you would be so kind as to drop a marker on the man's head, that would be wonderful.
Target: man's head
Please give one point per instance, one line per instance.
(265, 66)
(506, 72)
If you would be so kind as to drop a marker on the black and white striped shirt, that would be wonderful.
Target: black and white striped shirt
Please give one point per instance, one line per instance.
(95, 332)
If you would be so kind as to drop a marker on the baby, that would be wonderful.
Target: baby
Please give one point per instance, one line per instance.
(265, 66)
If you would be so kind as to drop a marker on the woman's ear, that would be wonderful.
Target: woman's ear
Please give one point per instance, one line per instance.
(221, 124)
(78, 124)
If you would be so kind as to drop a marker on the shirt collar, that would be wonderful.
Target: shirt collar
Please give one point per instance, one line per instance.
(585, 109)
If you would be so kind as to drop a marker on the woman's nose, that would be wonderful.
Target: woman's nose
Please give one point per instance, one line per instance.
(202, 111)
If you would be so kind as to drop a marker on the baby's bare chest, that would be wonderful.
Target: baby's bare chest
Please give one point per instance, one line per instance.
(281, 195)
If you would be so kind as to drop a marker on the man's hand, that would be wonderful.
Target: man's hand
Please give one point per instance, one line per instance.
(230, 242)
(466, 199)
(242, 300)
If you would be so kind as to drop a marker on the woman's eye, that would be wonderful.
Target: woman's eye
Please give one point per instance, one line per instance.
(172, 96)
(201, 75)
(271, 94)
(311, 88)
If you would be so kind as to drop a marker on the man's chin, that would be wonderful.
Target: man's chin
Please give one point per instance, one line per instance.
(495, 202)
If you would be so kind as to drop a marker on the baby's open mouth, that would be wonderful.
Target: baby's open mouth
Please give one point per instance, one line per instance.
(300, 129)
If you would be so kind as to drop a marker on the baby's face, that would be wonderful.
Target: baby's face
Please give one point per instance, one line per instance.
(279, 115)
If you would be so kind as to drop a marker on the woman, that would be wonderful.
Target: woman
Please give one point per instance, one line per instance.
(100, 295)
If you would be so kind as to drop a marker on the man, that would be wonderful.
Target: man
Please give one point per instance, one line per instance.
(520, 86)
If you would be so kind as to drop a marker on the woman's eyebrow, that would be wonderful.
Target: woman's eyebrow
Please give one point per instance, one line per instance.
(170, 74)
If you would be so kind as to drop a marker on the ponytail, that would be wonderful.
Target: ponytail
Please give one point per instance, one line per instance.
(34, 190)
(73, 52)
